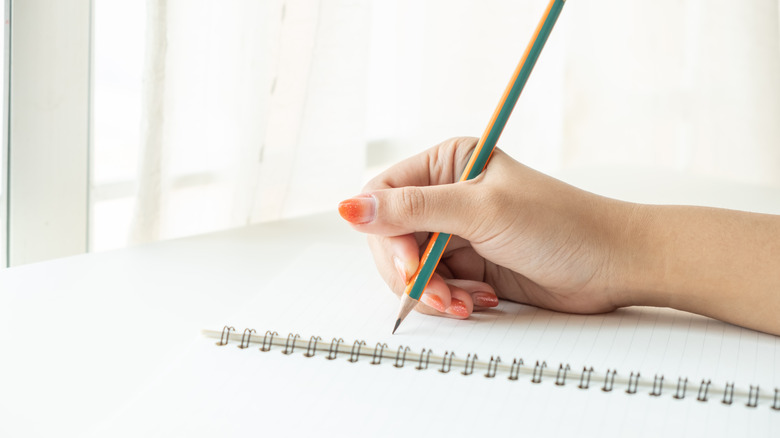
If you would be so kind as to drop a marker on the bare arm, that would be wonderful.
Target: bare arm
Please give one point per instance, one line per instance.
(720, 263)
(523, 236)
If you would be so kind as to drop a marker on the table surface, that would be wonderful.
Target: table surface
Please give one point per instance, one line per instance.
(81, 336)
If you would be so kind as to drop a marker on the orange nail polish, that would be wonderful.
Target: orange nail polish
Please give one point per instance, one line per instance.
(458, 308)
(358, 210)
(484, 299)
(433, 301)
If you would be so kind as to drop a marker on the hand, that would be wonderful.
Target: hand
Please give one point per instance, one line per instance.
(517, 234)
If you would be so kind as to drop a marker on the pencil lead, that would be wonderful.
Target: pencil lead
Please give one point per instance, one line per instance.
(407, 304)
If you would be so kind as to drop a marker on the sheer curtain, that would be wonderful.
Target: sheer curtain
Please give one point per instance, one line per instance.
(253, 111)
(280, 108)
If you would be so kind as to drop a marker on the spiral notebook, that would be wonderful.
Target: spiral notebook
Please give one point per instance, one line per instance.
(312, 353)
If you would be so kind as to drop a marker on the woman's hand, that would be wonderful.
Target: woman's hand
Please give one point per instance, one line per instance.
(517, 234)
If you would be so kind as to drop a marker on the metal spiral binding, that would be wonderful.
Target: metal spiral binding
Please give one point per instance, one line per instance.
(289, 347)
(245, 337)
(752, 397)
(225, 337)
(468, 370)
(537, 376)
(403, 358)
(514, 371)
(376, 359)
(444, 362)
(609, 381)
(353, 355)
(492, 367)
(635, 379)
(582, 377)
(684, 383)
(658, 385)
(728, 394)
(333, 351)
(267, 347)
(706, 387)
(311, 350)
(427, 359)
(560, 381)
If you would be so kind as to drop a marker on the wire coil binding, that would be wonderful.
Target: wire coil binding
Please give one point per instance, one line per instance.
(445, 361)
(658, 386)
(751, 396)
(376, 359)
(492, 367)
(225, 336)
(333, 351)
(678, 394)
(538, 368)
(289, 346)
(609, 380)
(560, 378)
(400, 364)
(267, 346)
(311, 350)
(354, 355)
(245, 337)
(514, 372)
(703, 388)
(728, 394)
(468, 368)
(587, 371)
(427, 359)
(635, 379)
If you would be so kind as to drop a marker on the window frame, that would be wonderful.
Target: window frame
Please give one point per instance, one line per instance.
(47, 134)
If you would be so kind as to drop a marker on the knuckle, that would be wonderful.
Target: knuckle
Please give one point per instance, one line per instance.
(412, 202)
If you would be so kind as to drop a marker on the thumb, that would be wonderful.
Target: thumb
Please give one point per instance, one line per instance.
(444, 208)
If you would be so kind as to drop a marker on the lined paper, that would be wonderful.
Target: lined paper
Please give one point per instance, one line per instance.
(334, 291)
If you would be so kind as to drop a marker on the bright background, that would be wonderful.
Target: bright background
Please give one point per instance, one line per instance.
(209, 115)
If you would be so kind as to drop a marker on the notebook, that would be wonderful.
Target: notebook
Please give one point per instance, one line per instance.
(312, 353)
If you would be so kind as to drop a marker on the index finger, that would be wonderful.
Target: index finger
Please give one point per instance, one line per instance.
(441, 164)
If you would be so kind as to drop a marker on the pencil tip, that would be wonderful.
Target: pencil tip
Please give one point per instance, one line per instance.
(397, 323)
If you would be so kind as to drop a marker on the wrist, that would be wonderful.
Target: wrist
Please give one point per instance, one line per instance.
(638, 260)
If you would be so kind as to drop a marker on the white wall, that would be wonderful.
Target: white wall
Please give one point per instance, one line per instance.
(48, 129)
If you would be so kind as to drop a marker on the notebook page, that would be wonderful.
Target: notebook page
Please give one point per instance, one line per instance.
(335, 292)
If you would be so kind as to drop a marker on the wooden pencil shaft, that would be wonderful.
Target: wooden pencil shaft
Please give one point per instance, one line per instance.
(484, 149)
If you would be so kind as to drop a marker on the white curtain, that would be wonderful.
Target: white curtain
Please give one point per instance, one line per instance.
(253, 111)
(274, 108)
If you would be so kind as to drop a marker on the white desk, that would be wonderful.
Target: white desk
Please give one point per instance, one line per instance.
(81, 336)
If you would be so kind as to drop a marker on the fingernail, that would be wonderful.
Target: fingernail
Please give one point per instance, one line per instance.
(458, 308)
(358, 210)
(433, 301)
(484, 299)
(399, 265)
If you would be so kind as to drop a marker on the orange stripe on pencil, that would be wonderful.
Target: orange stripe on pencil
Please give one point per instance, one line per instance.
(481, 154)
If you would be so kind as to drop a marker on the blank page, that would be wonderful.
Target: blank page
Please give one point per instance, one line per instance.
(334, 291)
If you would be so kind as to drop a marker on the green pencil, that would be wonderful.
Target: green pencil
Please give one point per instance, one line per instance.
(482, 153)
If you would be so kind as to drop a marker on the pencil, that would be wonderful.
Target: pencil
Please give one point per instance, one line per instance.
(482, 153)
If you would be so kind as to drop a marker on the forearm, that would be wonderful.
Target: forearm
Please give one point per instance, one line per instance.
(720, 263)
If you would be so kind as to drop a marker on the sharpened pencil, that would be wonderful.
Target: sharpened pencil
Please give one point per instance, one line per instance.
(481, 155)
